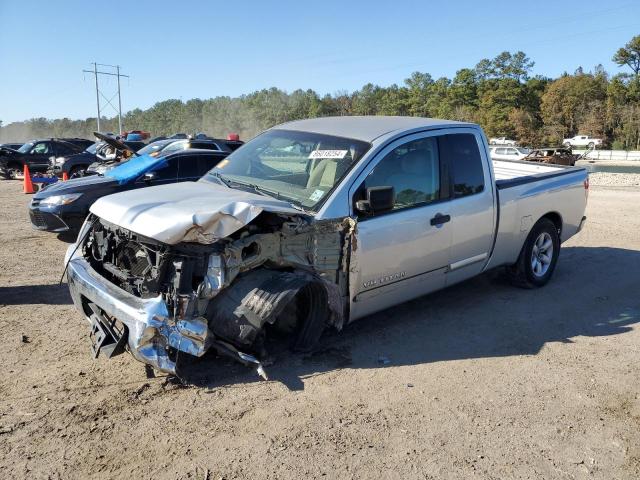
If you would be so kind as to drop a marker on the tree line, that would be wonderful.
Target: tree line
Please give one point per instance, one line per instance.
(501, 94)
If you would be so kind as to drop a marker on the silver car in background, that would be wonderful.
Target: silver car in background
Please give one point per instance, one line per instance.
(509, 153)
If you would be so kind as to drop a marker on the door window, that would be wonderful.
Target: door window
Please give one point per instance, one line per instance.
(188, 166)
(62, 149)
(461, 152)
(207, 162)
(41, 148)
(412, 169)
(167, 171)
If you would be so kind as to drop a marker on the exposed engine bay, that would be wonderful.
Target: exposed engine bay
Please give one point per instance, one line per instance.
(280, 270)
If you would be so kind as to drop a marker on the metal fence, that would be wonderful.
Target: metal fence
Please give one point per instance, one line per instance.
(613, 155)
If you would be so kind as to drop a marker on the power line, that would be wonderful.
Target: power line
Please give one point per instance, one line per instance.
(96, 73)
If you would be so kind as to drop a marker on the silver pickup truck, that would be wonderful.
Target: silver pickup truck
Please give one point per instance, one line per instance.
(313, 224)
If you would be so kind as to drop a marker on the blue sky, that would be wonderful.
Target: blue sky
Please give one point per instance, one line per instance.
(205, 49)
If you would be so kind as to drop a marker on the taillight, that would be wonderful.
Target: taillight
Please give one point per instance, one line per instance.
(586, 187)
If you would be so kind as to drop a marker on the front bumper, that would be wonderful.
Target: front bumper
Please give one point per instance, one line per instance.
(47, 221)
(55, 218)
(582, 222)
(151, 332)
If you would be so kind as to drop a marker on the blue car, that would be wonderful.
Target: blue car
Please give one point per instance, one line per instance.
(63, 206)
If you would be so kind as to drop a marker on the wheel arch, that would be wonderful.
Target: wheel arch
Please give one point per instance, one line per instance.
(15, 163)
(556, 218)
(256, 298)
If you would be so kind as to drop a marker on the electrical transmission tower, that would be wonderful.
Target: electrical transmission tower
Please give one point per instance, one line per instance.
(96, 73)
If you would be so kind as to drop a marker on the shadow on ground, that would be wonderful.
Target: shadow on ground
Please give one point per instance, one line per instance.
(67, 237)
(35, 294)
(595, 292)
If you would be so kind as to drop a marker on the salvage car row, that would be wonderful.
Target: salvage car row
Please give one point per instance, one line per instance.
(310, 225)
(77, 156)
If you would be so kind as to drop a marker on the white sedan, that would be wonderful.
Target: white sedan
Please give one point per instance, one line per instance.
(508, 153)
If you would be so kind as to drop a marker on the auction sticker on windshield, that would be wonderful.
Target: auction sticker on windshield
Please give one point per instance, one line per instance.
(317, 195)
(328, 154)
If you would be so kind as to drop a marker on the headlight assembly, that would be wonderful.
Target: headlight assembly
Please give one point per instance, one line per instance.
(60, 199)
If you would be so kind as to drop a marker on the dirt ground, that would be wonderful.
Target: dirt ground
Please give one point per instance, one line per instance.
(482, 380)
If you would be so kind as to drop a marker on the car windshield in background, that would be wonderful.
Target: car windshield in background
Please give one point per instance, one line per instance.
(151, 148)
(300, 167)
(93, 148)
(524, 151)
(175, 146)
(26, 148)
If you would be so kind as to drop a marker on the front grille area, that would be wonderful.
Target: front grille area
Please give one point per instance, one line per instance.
(131, 263)
(46, 221)
(133, 258)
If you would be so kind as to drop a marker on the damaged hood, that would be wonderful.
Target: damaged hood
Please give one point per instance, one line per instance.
(199, 212)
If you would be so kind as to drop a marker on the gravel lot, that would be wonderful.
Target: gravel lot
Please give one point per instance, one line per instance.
(482, 380)
(605, 179)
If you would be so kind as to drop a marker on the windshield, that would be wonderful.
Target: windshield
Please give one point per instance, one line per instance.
(524, 151)
(300, 167)
(152, 148)
(175, 146)
(92, 148)
(26, 147)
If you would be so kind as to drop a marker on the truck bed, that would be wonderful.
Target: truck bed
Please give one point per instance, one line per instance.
(510, 169)
(526, 191)
(510, 173)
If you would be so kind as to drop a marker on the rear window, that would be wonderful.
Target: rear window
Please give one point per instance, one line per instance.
(205, 145)
(462, 153)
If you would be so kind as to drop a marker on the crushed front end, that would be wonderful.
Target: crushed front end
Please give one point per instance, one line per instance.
(158, 300)
(139, 292)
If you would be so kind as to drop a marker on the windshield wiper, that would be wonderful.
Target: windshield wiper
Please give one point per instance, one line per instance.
(256, 188)
(264, 191)
(219, 176)
(259, 190)
(301, 208)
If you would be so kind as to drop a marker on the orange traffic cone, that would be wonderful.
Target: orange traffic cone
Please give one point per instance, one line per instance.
(28, 186)
(65, 176)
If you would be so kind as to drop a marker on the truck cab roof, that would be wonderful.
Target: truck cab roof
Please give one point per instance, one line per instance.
(366, 128)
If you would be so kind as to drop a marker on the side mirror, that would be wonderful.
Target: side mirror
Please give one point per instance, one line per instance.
(379, 199)
(149, 177)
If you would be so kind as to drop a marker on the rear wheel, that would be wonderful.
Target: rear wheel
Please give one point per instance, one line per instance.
(538, 258)
(567, 144)
(591, 144)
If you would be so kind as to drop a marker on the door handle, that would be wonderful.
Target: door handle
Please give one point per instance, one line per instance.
(439, 219)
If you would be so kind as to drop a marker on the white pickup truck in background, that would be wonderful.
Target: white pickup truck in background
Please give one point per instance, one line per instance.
(582, 141)
(502, 141)
(313, 224)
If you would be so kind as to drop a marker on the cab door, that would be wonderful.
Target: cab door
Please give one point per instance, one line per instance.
(401, 253)
(473, 215)
(38, 158)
